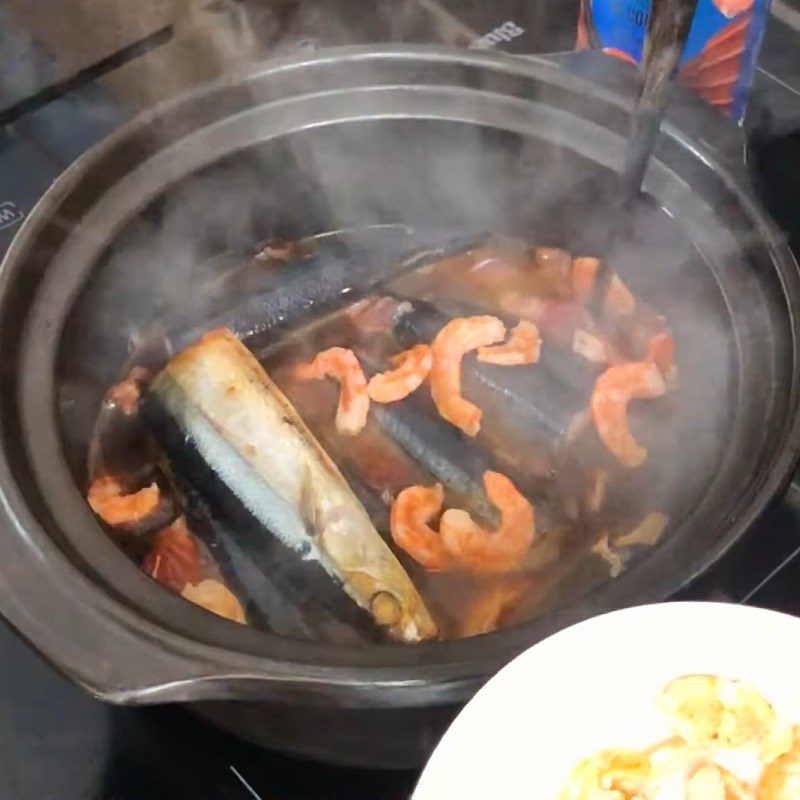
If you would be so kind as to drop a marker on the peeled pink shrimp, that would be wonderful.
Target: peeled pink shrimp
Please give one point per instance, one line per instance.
(342, 364)
(523, 347)
(451, 344)
(614, 389)
(412, 367)
(661, 351)
(412, 510)
(112, 505)
(480, 550)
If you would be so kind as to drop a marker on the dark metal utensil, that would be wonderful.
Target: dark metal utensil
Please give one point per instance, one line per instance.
(667, 31)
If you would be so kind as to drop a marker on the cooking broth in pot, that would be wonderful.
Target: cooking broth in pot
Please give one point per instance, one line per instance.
(445, 456)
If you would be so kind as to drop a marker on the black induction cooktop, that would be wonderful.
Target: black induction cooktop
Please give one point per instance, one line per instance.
(57, 743)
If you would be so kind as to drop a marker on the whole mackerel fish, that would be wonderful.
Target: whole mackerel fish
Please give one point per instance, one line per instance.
(228, 429)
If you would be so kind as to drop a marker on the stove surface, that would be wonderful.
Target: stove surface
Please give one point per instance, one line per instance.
(57, 743)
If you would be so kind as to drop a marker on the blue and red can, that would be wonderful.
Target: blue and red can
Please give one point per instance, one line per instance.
(720, 55)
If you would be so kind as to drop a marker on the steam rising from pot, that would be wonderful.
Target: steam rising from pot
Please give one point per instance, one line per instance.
(190, 252)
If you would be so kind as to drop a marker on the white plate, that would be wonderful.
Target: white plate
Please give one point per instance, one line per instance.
(594, 686)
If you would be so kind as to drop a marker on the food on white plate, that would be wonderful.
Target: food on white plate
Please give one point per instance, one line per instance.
(726, 743)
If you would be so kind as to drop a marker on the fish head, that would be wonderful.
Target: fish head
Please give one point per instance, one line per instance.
(394, 605)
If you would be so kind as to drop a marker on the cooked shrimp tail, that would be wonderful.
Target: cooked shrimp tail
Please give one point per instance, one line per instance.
(342, 364)
(452, 343)
(523, 347)
(661, 351)
(614, 389)
(411, 368)
(491, 551)
(413, 509)
(136, 512)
